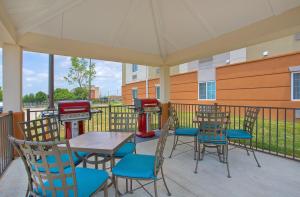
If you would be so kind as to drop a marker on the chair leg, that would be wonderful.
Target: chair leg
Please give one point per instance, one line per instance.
(131, 191)
(174, 145)
(198, 158)
(126, 180)
(227, 163)
(195, 147)
(246, 148)
(165, 183)
(258, 165)
(116, 187)
(155, 188)
(105, 190)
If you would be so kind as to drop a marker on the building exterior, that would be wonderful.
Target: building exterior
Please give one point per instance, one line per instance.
(267, 74)
(95, 92)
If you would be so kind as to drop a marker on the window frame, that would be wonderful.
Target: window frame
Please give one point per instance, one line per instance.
(136, 68)
(206, 87)
(157, 86)
(292, 85)
(137, 93)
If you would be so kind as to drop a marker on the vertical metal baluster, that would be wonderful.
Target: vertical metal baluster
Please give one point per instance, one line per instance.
(256, 130)
(294, 127)
(270, 128)
(277, 124)
(263, 130)
(285, 132)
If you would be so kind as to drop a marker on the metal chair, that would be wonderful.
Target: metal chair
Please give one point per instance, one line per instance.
(143, 167)
(211, 132)
(181, 132)
(44, 130)
(124, 122)
(250, 117)
(67, 180)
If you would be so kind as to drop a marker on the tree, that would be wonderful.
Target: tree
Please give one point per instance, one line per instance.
(41, 97)
(81, 93)
(80, 72)
(29, 98)
(1, 94)
(63, 94)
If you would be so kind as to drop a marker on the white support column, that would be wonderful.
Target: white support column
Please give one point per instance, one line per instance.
(164, 84)
(12, 78)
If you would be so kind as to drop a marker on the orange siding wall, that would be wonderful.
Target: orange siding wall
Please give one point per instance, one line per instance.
(265, 82)
(127, 91)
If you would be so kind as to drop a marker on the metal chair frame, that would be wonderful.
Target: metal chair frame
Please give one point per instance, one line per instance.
(175, 124)
(32, 152)
(213, 123)
(158, 166)
(250, 118)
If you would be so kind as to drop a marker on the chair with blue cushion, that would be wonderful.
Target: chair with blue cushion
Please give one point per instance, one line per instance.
(46, 129)
(124, 122)
(250, 117)
(143, 167)
(67, 180)
(182, 132)
(211, 133)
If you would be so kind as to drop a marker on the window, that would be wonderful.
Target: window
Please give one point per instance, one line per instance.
(207, 90)
(134, 93)
(157, 92)
(296, 86)
(134, 67)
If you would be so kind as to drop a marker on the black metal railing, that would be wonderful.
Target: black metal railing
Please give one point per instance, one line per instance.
(99, 120)
(277, 130)
(6, 150)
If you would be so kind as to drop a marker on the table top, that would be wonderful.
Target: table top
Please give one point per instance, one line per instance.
(100, 142)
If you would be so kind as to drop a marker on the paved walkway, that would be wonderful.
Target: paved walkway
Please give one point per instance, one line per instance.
(277, 177)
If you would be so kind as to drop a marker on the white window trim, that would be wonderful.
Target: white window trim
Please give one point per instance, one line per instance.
(292, 86)
(199, 99)
(134, 88)
(156, 85)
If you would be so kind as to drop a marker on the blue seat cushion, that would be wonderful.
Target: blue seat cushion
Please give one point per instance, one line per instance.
(213, 139)
(135, 166)
(186, 131)
(64, 158)
(88, 181)
(238, 134)
(126, 149)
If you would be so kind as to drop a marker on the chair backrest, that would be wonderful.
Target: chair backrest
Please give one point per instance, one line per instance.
(174, 121)
(251, 114)
(209, 108)
(123, 122)
(41, 130)
(36, 156)
(159, 158)
(212, 125)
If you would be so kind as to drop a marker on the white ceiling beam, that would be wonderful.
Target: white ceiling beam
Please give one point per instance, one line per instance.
(7, 25)
(156, 15)
(46, 15)
(201, 20)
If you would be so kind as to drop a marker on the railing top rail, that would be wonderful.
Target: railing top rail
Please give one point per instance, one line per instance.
(224, 105)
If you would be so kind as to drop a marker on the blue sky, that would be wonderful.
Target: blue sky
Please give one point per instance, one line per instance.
(35, 73)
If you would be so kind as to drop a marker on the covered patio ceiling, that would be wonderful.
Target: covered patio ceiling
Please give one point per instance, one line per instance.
(149, 32)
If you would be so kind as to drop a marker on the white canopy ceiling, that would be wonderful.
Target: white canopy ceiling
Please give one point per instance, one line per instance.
(152, 32)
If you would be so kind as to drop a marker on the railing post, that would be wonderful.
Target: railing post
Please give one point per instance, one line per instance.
(109, 117)
(10, 132)
(28, 114)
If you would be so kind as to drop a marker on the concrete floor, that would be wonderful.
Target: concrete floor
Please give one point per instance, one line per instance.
(277, 177)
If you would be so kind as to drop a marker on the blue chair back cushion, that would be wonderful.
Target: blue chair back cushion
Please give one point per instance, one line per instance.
(126, 149)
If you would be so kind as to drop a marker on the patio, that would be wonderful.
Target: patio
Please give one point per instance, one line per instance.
(276, 177)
